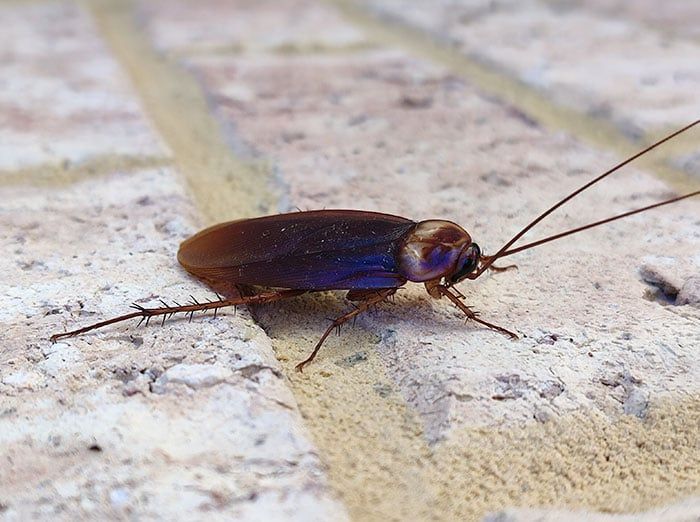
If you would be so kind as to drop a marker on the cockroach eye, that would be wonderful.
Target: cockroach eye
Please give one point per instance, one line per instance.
(467, 263)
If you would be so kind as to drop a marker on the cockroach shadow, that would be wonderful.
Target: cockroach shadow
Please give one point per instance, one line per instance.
(283, 319)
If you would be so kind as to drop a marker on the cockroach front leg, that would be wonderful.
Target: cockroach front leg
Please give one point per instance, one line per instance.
(374, 298)
(471, 314)
(489, 259)
(502, 268)
(166, 311)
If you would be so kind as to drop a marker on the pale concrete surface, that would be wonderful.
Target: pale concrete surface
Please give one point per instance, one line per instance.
(681, 512)
(582, 58)
(410, 413)
(63, 98)
(250, 26)
(676, 18)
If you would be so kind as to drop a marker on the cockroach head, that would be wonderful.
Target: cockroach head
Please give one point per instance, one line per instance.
(467, 263)
(436, 249)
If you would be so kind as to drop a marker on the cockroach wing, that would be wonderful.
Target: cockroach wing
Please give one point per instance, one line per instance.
(314, 250)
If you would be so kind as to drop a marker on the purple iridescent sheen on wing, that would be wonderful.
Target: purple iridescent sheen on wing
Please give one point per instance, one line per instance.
(314, 250)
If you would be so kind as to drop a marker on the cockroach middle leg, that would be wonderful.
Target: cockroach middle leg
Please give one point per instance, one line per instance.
(194, 306)
(374, 298)
(471, 314)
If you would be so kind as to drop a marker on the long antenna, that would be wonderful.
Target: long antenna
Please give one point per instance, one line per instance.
(489, 260)
(597, 223)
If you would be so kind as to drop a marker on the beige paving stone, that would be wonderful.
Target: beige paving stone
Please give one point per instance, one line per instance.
(675, 17)
(416, 415)
(609, 67)
(191, 420)
(180, 27)
(685, 511)
(63, 98)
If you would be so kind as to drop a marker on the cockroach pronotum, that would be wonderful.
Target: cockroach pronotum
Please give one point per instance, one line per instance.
(370, 254)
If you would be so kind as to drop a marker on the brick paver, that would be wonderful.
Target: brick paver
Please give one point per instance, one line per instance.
(410, 414)
(64, 99)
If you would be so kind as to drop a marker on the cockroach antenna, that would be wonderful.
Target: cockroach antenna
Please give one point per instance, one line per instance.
(489, 260)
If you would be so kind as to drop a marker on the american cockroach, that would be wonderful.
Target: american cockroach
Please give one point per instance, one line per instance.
(370, 254)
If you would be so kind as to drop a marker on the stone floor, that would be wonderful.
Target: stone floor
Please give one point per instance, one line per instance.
(126, 126)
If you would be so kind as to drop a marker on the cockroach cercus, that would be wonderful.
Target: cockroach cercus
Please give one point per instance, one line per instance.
(367, 253)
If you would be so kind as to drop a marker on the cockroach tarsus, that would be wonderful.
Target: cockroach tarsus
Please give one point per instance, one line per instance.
(369, 254)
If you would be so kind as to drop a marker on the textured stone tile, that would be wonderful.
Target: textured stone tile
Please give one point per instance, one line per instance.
(689, 163)
(608, 67)
(63, 98)
(190, 420)
(195, 420)
(224, 26)
(685, 511)
(675, 17)
(383, 131)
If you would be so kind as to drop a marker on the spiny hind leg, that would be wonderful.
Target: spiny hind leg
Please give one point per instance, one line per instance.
(370, 298)
(471, 314)
(165, 311)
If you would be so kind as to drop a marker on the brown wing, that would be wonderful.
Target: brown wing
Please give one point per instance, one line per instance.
(324, 249)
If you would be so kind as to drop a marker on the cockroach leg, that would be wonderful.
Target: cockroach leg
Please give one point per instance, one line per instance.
(458, 293)
(147, 313)
(488, 262)
(502, 268)
(361, 295)
(376, 297)
(471, 314)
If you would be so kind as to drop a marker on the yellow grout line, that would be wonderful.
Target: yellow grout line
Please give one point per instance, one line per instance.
(56, 175)
(223, 186)
(597, 132)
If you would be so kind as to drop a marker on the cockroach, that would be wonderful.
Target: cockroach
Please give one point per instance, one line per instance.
(369, 254)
